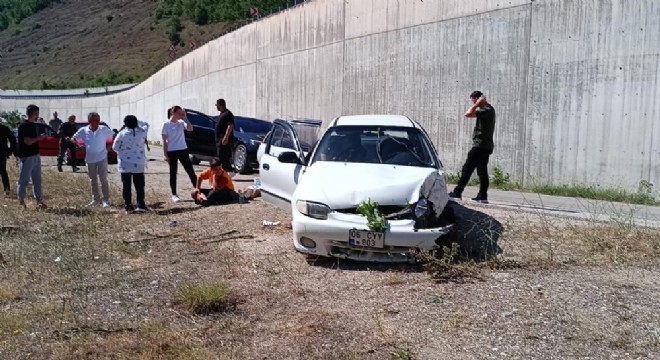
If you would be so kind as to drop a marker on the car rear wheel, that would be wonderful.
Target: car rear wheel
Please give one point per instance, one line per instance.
(195, 160)
(240, 159)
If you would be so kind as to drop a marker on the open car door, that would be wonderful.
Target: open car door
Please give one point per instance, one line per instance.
(281, 165)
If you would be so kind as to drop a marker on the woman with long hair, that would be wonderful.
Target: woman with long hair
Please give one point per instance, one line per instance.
(175, 147)
(129, 145)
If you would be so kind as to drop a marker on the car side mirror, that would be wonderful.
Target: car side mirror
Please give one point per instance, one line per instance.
(289, 157)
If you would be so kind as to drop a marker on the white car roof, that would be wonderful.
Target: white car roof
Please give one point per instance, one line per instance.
(386, 120)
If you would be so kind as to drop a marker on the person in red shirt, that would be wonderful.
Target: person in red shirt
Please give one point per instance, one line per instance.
(222, 189)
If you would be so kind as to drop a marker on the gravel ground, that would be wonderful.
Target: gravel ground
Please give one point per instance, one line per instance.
(561, 289)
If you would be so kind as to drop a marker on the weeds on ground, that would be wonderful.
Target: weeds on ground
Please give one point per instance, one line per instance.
(547, 241)
(499, 180)
(206, 299)
(402, 355)
(644, 195)
(448, 267)
(454, 178)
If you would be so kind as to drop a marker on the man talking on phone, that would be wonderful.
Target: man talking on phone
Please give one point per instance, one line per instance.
(482, 147)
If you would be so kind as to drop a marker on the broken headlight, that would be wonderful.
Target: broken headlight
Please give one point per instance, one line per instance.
(420, 213)
(313, 209)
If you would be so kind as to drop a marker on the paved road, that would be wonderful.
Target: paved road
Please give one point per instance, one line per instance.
(639, 215)
(587, 209)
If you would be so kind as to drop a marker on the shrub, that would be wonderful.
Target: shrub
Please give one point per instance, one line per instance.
(208, 298)
(13, 118)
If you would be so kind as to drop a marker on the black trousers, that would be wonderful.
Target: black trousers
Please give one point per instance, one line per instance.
(3, 172)
(218, 197)
(225, 156)
(477, 159)
(174, 158)
(138, 182)
(67, 145)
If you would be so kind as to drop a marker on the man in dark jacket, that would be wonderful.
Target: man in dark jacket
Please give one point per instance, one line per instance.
(7, 148)
(66, 132)
(482, 147)
(224, 130)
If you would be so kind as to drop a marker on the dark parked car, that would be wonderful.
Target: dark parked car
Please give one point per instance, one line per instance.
(248, 135)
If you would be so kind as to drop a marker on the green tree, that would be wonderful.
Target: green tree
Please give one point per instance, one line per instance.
(13, 118)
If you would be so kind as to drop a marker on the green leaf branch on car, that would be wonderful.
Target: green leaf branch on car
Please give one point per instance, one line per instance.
(376, 219)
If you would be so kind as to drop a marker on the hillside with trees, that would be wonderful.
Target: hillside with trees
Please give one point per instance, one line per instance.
(59, 44)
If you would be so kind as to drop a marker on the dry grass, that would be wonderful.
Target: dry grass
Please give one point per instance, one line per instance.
(206, 299)
(79, 284)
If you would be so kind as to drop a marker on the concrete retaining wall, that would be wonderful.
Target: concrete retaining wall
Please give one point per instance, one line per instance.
(574, 83)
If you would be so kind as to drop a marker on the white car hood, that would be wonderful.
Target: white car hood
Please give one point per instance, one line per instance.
(345, 185)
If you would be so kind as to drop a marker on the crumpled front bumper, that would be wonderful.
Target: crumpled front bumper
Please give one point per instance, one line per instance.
(331, 238)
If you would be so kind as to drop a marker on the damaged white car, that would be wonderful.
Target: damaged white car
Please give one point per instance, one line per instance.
(371, 189)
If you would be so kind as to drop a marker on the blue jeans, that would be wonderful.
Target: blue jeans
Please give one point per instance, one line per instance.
(30, 167)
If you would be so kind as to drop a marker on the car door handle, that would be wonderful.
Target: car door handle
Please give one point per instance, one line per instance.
(266, 167)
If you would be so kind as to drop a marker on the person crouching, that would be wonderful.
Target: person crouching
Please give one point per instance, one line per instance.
(222, 187)
(132, 160)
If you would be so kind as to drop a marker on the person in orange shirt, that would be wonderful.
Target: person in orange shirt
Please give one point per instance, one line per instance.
(222, 189)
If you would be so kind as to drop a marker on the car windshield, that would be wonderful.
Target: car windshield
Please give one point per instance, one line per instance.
(247, 125)
(404, 146)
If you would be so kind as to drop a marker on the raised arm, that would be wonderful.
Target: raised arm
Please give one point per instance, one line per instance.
(188, 126)
(472, 111)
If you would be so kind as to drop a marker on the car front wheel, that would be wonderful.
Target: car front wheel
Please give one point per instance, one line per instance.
(240, 159)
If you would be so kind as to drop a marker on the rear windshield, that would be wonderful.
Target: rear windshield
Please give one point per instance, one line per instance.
(247, 125)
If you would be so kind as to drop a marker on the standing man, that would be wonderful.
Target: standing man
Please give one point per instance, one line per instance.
(55, 122)
(66, 132)
(482, 147)
(28, 155)
(7, 148)
(224, 129)
(94, 137)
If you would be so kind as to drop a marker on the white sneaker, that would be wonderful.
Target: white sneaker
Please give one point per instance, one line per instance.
(175, 199)
(92, 204)
(106, 204)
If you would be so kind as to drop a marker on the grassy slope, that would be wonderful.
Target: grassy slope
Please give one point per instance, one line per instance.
(75, 41)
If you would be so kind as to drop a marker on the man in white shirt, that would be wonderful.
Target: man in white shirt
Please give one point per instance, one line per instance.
(94, 137)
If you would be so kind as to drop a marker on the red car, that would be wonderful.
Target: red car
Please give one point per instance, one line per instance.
(50, 146)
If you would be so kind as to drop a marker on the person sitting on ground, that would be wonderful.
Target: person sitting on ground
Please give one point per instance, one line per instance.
(222, 187)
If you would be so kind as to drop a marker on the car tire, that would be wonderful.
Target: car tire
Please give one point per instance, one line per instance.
(240, 159)
(195, 160)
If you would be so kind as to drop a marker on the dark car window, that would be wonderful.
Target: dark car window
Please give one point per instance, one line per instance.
(308, 133)
(198, 120)
(277, 136)
(250, 125)
(46, 130)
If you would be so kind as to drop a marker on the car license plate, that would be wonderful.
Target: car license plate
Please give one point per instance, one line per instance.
(365, 238)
